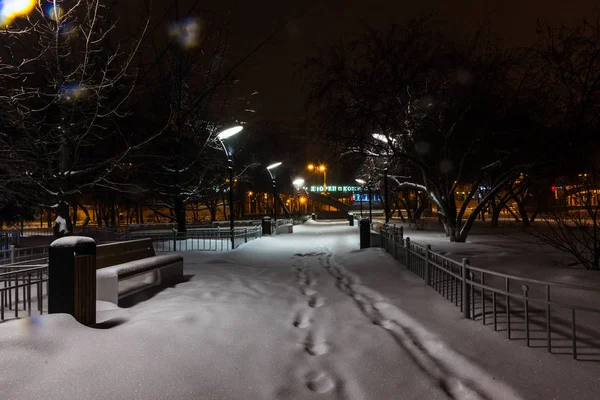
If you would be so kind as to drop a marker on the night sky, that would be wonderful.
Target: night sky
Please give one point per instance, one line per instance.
(274, 70)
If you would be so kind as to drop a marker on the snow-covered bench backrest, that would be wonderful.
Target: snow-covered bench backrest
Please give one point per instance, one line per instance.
(121, 252)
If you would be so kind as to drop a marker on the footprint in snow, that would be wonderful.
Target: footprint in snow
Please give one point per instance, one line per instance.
(308, 291)
(302, 320)
(316, 301)
(319, 382)
(315, 346)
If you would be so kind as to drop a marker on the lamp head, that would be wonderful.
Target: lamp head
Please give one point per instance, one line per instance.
(360, 181)
(298, 183)
(277, 164)
(227, 133)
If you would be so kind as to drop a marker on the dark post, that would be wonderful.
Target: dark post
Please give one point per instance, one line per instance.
(365, 233)
(386, 207)
(266, 225)
(275, 202)
(231, 221)
(466, 292)
(350, 219)
(370, 205)
(72, 278)
(362, 192)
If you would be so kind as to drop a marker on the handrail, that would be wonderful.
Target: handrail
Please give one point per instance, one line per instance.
(466, 285)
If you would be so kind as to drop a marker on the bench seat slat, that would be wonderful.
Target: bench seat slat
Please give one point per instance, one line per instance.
(132, 268)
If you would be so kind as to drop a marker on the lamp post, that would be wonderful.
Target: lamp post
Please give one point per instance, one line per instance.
(227, 133)
(362, 184)
(318, 169)
(298, 184)
(386, 206)
(384, 139)
(270, 168)
(370, 204)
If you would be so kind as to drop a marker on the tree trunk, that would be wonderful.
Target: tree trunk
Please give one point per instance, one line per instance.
(523, 212)
(180, 215)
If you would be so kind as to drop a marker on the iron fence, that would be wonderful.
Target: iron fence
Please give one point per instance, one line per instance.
(19, 255)
(562, 318)
(207, 239)
(20, 286)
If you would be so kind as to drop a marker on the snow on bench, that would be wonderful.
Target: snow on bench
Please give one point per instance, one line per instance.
(123, 260)
(287, 228)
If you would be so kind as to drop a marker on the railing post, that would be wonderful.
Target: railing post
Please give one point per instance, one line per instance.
(174, 240)
(407, 249)
(72, 278)
(466, 289)
(12, 253)
(427, 266)
(245, 235)
(401, 232)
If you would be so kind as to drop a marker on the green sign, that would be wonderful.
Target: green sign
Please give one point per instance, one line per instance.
(335, 188)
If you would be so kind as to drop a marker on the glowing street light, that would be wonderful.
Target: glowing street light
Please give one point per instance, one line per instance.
(319, 169)
(362, 184)
(298, 184)
(11, 9)
(227, 133)
(271, 171)
(385, 140)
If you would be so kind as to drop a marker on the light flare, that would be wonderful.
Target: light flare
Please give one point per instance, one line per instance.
(54, 12)
(186, 33)
(11, 9)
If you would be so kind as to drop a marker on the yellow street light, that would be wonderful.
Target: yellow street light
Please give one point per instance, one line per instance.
(11, 9)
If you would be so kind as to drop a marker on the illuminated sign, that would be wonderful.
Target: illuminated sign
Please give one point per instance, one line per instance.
(365, 197)
(335, 188)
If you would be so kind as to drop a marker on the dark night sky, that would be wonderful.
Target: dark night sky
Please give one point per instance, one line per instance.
(273, 71)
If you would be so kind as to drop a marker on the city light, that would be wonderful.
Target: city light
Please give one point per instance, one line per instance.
(11, 9)
(227, 133)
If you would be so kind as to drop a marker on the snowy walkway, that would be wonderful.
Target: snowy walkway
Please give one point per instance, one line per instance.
(301, 316)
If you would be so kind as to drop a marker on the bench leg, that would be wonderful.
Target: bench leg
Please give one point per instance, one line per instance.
(107, 288)
(171, 274)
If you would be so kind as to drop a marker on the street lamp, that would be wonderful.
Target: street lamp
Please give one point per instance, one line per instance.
(298, 184)
(9, 10)
(384, 139)
(227, 133)
(319, 169)
(362, 184)
(270, 168)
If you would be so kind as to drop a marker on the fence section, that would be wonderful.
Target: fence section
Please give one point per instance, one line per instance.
(207, 239)
(561, 318)
(23, 290)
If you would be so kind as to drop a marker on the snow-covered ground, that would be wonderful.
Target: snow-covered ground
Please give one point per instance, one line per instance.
(300, 316)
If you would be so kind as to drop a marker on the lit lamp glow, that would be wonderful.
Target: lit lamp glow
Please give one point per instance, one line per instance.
(298, 184)
(11, 9)
(270, 169)
(227, 133)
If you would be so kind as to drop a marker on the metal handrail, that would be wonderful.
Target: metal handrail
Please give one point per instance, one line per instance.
(465, 285)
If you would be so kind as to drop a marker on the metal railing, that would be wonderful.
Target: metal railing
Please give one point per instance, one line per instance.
(203, 239)
(20, 286)
(562, 318)
(19, 255)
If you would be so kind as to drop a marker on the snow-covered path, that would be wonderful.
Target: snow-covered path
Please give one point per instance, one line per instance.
(301, 316)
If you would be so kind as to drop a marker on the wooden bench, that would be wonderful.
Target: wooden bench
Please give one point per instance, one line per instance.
(123, 260)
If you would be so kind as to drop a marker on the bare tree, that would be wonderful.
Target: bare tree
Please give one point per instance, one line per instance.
(410, 94)
(66, 81)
